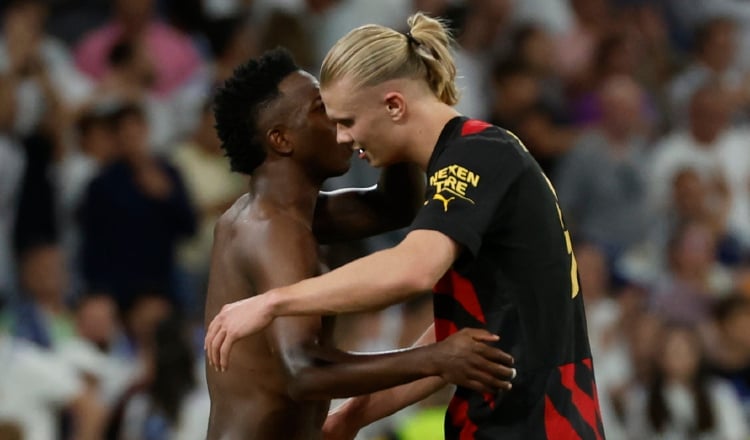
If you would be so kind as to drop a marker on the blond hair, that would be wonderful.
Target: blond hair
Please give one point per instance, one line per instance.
(372, 54)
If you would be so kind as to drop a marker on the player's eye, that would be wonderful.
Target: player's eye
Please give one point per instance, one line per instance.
(318, 105)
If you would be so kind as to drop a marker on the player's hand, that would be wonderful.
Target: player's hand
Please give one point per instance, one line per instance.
(338, 427)
(466, 359)
(235, 321)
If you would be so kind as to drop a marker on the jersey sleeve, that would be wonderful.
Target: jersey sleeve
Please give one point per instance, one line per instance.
(466, 185)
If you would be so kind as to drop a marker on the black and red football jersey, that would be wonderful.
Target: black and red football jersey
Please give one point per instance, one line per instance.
(516, 277)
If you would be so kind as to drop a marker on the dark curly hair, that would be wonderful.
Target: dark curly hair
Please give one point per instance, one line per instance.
(237, 103)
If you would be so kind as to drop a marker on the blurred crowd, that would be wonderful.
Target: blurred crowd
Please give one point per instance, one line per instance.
(111, 177)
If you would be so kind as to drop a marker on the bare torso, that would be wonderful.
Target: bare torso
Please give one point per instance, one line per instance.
(250, 399)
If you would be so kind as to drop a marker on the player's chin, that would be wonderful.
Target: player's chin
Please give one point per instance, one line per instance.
(378, 162)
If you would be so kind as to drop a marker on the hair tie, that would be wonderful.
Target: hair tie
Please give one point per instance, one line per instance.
(410, 38)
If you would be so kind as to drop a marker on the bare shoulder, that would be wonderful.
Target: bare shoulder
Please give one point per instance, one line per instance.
(226, 221)
(263, 237)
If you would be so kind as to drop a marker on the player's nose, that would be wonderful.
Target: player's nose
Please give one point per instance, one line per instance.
(343, 136)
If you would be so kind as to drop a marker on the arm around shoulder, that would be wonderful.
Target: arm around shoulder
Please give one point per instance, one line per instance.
(375, 281)
(378, 280)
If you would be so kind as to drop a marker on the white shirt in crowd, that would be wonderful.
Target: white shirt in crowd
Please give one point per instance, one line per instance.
(34, 386)
(727, 158)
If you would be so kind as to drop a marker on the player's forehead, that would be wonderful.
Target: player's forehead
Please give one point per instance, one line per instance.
(300, 86)
(342, 97)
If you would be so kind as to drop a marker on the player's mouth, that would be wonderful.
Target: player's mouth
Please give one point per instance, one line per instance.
(361, 153)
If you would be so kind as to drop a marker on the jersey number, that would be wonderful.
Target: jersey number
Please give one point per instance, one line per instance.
(574, 288)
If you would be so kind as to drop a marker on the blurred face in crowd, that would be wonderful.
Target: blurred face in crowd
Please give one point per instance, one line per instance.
(43, 274)
(145, 315)
(621, 99)
(132, 136)
(515, 93)
(617, 55)
(693, 252)
(537, 50)
(97, 141)
(688, 194)
(96, 320)
(24, 19)
(23, 29)
(681, 355)
(719, 49)
(710, 112)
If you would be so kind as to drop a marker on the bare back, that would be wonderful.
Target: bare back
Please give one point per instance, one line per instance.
(250, 399)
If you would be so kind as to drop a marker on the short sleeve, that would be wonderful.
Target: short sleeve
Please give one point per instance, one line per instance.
(466, 184)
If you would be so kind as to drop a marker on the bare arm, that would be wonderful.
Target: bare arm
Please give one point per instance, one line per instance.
(383, 278)
(358, 412)
(316, 371)
(350, 214)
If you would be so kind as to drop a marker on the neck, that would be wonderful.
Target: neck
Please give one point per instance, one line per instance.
(431, 119)
(285, 185)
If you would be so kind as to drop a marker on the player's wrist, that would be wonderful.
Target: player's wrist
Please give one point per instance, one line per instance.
(272, 304)
(429, 361)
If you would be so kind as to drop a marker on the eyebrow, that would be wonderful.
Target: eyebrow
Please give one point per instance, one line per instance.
(342, 120)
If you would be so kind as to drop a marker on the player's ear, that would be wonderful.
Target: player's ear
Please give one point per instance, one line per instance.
(279, 141)
(395, 105)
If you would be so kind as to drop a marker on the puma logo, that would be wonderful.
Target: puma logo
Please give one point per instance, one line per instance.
(444, 200)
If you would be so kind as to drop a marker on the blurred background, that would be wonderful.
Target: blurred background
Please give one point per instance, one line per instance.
(111, 178)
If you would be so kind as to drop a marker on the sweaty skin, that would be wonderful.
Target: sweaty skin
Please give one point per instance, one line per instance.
(278, 382)
(251, 399)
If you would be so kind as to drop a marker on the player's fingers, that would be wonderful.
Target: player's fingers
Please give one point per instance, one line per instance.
(503, 373)
(488, 380)
(210, 335)
(483, 335)
(479, 386)
(499, 371)
(215, 348)
(494, 354)
(226, 346)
